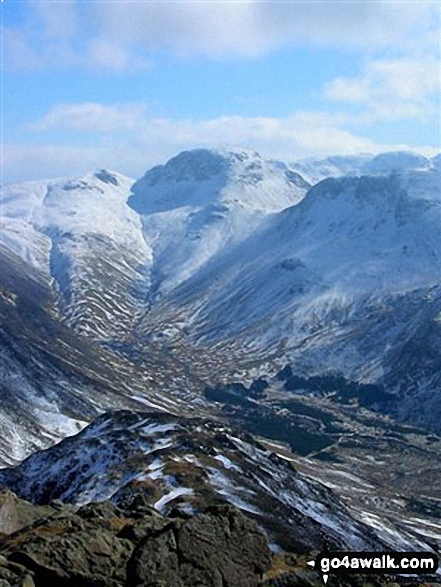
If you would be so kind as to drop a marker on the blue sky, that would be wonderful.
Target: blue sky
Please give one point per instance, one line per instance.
(127, 84)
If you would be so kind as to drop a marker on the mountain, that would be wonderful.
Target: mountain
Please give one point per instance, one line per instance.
(201, 177)
(190, 464)
(346, 281)
(83, 236)
(218, 263)
(78, 260)
(278, 330)
(315, 170)
(110, 250)
(52, 380)
(207, 202)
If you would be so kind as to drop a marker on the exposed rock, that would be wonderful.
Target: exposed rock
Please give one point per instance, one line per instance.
(66, 551)
(16, 513)
(220, 548)
(14, 575)
(104, 546)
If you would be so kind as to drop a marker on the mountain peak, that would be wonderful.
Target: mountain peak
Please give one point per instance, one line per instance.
(199, 165)
(201, 177)
(396, 161)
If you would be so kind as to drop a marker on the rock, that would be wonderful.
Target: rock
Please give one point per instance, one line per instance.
(219, 548)
(16, 513)
(143, 527)
(68, 551)
(14, 575)
(137, 497)
(103, 510)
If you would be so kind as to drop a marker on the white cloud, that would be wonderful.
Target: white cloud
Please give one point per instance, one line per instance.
(92, 117)
(130, 141)
(56, 22)
(106, 54)
(125, 34)
(252, 27)
(392, 88)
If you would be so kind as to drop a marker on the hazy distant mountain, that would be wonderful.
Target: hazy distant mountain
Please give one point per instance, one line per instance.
(314, 170)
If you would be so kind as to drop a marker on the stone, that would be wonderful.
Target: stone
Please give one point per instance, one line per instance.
(218, 548)
(16, 513)
(71, 552)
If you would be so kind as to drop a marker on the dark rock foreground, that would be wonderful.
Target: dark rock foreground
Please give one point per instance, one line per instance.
(101, 545)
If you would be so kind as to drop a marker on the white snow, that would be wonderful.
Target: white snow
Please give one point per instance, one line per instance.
(168, 497)
(226, 462)
(150, 404)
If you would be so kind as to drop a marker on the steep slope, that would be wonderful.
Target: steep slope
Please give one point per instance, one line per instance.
(347, 281)
(202, 203)
(53, 381)
(82, 234)
(190, 464)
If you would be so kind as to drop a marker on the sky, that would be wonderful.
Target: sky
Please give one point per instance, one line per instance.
(127, 84)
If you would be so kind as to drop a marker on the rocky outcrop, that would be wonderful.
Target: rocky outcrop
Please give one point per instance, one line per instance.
(17, 513)
(101, 545)
(219, 548)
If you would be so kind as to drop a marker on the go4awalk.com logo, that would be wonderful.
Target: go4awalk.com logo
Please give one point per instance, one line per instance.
(396, 563)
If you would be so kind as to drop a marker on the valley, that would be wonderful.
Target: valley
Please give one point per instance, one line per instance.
(223, 330)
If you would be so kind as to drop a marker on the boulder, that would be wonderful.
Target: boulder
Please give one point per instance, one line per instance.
(67, 551)
(219, 548)
(16, 513)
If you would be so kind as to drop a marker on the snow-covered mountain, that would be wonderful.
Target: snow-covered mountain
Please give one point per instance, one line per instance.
(109, 251)
(202, 203)
(218, 261)
(315, 170)
(73, 250)
(345, 281)
(82, 235)
(177, 292)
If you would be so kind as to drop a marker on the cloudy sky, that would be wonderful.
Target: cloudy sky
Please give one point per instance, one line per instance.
(125, 84)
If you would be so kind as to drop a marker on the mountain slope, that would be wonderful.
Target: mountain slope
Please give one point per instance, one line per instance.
(109, 250)
(344, 281)
(84, 237)
(217, 263)
(54, 381)
(202, 203)
(190, 464)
